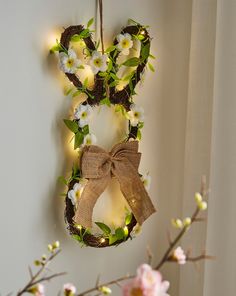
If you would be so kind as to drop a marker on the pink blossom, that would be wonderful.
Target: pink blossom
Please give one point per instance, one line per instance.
(148, 282)
(69, 289)
(39, 290)
(179, 255)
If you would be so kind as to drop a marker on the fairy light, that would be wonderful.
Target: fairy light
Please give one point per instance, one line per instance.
(102, 240)
(79, 227)
(142, 32)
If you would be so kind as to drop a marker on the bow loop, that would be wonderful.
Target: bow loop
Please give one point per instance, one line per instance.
(99, 167)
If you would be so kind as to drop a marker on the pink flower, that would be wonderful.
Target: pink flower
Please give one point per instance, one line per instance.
(148, 282)
(179, 255)
(39, 290)
(69, 289)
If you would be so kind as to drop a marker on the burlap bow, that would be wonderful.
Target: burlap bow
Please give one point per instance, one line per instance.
(99, 166)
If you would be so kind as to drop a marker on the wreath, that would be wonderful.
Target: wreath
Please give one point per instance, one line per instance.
(96, 166)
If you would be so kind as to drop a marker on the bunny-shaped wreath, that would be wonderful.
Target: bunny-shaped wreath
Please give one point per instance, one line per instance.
(96, 165)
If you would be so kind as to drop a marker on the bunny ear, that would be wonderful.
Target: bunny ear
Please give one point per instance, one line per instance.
(94, 95)
(123, 96)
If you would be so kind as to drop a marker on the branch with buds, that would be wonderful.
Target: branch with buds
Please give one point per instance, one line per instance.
(34, 286)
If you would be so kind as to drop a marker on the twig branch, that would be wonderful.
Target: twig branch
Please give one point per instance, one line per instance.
(34, 280)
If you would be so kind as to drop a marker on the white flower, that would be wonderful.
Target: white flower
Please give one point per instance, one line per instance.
(69, 289)
(89, 139)
(146, 179)
(136, 230)
(179, 255)
(75, 193)
(135, 115)
(124, 43)
(69, 63)
(83, 113)
(98, 62)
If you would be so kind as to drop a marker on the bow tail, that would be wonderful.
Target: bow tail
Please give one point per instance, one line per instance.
(93, 189)
(134, 192)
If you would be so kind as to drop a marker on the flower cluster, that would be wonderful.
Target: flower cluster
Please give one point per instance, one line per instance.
(70, 63)
(147, 282)
(179, 256)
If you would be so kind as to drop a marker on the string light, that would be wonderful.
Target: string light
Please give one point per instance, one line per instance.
(102, 240)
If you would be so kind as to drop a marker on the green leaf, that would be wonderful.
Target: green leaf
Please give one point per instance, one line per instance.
(79, 138)
(151, 67)
(68, 91)
(97, 44)
(145, 51)
(131, 21)
(111, 48)
(141, 125)
(114, 83)
(110, 66)
(105, 101)
(152, 56)
(77, 237)
(72, 125)
(62, 180)
(77, 93)
(75, 38)
(86, 129)
(85, 33)
(55, 48)
(128, 218)
(85, 83)
(102, 74)
(132, 62)
(114, 76)
(139, 135)
(120, 233)
(90, 22)
(140, 37)
(112, 239)
(106, 229)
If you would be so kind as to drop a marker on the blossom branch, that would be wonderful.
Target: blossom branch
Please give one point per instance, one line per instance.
(35, 279)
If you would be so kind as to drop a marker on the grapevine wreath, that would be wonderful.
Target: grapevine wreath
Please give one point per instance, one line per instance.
(95, 166)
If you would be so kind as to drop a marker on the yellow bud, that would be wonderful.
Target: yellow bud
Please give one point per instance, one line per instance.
(37, 262)
(198, 197)
(44, 257)
(56, 245)
(187, 221)
(202, 205)
(105, 290)
(177, 223)
(50, 248)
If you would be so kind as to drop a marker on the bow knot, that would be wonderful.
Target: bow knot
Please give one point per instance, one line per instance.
(99, 167)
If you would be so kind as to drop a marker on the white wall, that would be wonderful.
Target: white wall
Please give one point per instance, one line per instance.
(34, 149)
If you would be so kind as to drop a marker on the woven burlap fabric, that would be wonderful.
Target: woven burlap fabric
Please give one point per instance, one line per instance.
(99, 166)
